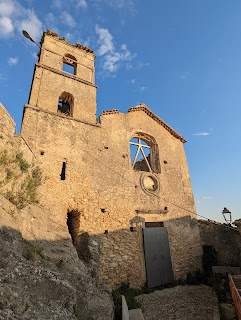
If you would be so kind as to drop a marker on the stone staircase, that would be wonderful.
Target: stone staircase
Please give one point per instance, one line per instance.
(134, 314)
(181, 303)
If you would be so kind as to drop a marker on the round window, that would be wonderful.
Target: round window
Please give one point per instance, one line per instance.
(149, 183)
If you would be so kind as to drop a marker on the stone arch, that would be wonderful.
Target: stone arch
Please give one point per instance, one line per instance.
(153, 164)
(66, 104)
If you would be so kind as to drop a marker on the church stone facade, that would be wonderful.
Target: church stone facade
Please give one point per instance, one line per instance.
(94, 188)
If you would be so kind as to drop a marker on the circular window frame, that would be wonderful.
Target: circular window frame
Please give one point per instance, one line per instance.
(154, 177)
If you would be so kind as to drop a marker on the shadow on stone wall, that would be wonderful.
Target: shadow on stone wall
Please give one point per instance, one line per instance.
(46, 280)
(122, 253)
(226, 242)
(59, 279)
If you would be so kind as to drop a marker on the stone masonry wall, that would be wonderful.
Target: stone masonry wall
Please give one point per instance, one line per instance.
(184, 237)
(49, 80)
(7, 125)
(99, 182)
(103, 187)
(122, 258)
(226, 241)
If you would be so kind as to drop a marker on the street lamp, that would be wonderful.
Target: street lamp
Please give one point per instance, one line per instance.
(27, 35)
(227, 215)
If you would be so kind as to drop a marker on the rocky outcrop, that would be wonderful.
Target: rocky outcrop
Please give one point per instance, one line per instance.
(41, 274)
(44, 279)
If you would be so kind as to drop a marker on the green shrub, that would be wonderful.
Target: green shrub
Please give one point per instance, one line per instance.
(1, 136)
(24, 165)
(130, 294)
(4, 157)
(30, 253)
(28, 193)
(26, 307)
(76, 311)
(9, 174)
(1, 305)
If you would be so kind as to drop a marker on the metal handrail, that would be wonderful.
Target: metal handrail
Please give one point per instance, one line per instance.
(235, 295)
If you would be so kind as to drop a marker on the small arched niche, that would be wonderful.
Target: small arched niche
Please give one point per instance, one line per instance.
(69, 64)
(66, 104)
(144, 153)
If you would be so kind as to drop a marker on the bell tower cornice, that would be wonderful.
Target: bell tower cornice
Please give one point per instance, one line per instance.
(77, 45)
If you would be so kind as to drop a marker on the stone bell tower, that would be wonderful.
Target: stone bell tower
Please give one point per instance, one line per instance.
(69, 93)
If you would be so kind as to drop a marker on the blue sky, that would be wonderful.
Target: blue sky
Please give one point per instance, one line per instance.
(181, 58)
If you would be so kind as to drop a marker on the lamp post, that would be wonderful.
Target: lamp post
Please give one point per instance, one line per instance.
(227, 215)
(27, 35)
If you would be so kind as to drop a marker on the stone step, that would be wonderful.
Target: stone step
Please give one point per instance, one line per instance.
(136, 314)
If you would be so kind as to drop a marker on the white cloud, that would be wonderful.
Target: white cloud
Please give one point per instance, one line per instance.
(56, 4)
(87, 42)
(6, 8)
(184, 75)
(117, 3)
(201, 134)
(69, 37)
(66, 18)
(143, 89)
(2, 77)
(31, 24)
(16, 16)
(81, 4)
(105, 40)
(111, 60)
(12, 61)
(133, 81)
(203, 198)
(121, 4)
(51, 21)
(129, 66)
(6, 27)
(142, 65)
(126, 55)
(112, 57)
(50, 18)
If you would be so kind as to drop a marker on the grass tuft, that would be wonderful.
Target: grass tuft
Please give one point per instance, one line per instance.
(24, 165)
(28, 191)
(30, 253)
(4, 157)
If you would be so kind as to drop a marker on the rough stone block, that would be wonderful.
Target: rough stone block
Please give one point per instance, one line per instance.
(136, 314)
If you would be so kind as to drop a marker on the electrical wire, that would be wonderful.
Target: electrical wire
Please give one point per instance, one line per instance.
(163, 199)
(18, 36)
